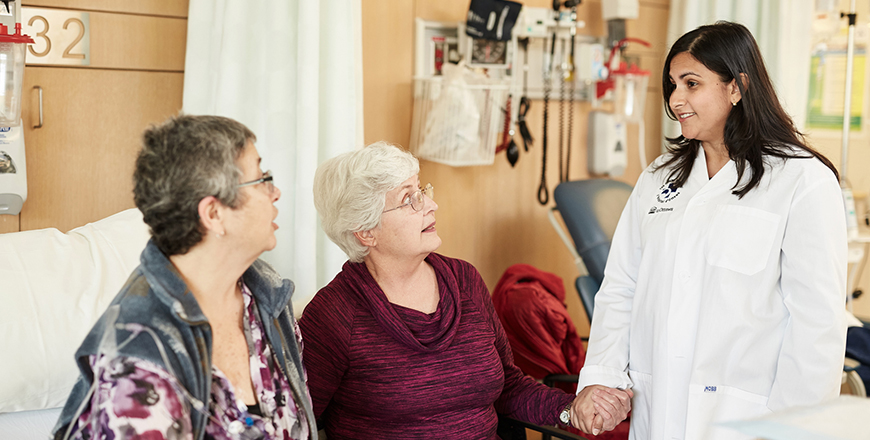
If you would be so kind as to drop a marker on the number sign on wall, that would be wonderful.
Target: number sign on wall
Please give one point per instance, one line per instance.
(60, 37)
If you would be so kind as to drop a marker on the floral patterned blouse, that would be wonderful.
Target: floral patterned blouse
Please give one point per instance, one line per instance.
(138, 399)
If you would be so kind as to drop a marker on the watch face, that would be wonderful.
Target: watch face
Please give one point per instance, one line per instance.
(488, 51)
(565, 416)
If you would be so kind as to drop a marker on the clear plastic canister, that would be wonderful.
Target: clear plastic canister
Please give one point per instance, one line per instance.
(12, 50)
(629, 95)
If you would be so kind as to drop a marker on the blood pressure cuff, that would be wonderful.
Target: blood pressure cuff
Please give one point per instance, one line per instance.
(492, 19)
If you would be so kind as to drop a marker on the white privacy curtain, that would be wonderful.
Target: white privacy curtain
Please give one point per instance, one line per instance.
(291, 71)
(782, 30)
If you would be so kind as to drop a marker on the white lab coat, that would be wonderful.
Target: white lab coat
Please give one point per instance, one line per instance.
(715, 308)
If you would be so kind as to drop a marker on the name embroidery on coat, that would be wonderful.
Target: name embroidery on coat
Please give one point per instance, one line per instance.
(656, 210)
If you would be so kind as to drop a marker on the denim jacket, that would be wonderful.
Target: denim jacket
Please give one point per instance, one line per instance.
(156, 297)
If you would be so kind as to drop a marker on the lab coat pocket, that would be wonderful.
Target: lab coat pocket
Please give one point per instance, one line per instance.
(712, 404)
(740, 238)
(641, 404)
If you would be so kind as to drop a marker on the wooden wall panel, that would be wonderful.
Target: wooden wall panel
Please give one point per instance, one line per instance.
(80, 163)
(169, 8)
(137, 42)
(829, 143)
(134, 42)
(489, 215)
(388, 34)
(9, 223)
(652, 26)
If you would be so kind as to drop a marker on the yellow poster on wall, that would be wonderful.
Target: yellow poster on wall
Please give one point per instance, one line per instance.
(827, 91)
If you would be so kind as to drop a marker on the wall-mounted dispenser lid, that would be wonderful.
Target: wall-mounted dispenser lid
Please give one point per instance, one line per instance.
(17, 37)
(10, 204)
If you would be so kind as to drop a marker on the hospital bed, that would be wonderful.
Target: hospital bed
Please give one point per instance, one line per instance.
(54, 287)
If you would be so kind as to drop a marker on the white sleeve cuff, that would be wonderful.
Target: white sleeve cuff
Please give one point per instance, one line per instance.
(603, 375)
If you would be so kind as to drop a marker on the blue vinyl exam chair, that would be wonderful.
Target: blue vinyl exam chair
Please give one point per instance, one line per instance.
(590, 210)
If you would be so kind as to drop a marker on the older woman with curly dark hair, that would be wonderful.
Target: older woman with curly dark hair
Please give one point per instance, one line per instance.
(201, 342)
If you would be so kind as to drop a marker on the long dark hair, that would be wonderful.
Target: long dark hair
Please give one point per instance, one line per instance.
(756, 127)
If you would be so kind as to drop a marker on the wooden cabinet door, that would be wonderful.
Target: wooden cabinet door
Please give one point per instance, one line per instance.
(80, 162)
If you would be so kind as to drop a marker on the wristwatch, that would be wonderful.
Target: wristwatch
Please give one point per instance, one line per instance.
(565, 415)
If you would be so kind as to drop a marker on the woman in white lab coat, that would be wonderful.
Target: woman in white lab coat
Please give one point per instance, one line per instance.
(723, 296)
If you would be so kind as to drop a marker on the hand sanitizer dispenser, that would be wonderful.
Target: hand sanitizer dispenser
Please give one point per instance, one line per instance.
(13, 170)
(607, 144)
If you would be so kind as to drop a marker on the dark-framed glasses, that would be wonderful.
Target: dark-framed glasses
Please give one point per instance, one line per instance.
(415, 200)
(267, 179)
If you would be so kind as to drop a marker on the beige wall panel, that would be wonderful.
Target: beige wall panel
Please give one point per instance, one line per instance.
(120, 41)
(829, 143)
(650, 26)
(9, 223)
(444, 10)
(171, 8)
(136, 42)
(388, 38)
(80, 163)
(489, 215)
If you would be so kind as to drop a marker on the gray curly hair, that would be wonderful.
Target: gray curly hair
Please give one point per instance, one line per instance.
(350, 192)
(182, 161)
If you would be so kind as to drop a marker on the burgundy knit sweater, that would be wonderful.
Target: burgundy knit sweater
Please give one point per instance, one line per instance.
(379, 370)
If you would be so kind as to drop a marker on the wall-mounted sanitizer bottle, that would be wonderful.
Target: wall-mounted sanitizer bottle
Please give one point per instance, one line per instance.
(13, 170)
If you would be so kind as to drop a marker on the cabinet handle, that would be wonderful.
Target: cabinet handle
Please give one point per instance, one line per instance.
(40, 107)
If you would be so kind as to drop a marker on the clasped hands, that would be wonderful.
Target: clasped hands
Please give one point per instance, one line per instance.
(598, 408)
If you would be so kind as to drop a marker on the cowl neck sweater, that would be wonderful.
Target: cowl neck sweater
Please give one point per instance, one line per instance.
(416, 330)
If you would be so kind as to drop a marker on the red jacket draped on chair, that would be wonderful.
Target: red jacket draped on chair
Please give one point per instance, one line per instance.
(531, 306)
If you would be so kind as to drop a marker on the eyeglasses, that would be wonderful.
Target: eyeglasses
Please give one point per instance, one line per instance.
(267, 179)
(415, 199)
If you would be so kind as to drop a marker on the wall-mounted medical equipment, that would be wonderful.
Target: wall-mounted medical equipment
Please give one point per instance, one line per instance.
(457, 109)
(464, 116)
(457, 116)
(502, 75)
(13, 169)
(615, 13)
(627, 85)
(616, 9)
(607, 146)
(848, 199)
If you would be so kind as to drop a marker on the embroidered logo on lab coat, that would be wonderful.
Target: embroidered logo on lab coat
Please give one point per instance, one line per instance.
(656, 210)
(667, 193)
(709, 389)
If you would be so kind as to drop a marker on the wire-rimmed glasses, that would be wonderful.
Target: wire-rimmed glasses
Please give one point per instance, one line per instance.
(415, 200)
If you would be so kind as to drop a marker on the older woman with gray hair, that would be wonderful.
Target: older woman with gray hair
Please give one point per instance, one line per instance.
(404, 342)
(201, 342)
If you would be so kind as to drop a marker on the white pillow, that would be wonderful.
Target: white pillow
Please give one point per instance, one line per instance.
(53, 287)
(29, 425)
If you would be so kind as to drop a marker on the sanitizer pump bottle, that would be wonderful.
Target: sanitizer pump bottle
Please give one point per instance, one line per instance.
(13, 170)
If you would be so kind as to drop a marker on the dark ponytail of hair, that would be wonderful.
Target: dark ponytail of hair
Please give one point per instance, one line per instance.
(757, 126)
